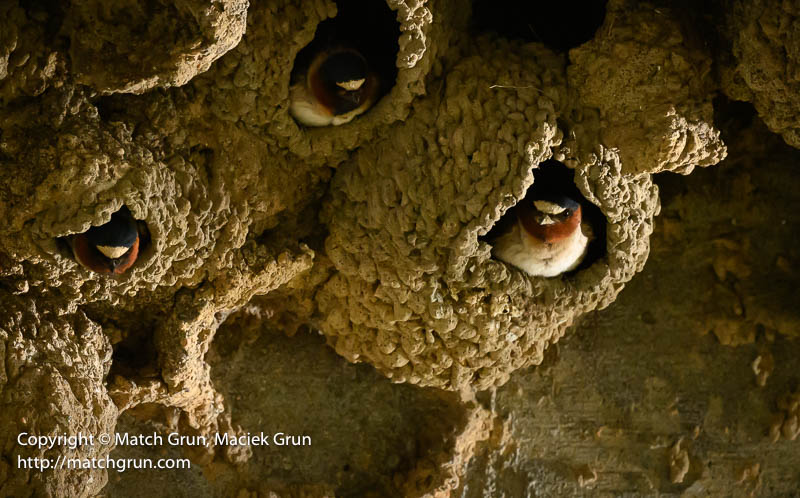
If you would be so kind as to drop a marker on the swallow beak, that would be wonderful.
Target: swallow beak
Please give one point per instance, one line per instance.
(352, 85)
(112, 265)
(547, 220)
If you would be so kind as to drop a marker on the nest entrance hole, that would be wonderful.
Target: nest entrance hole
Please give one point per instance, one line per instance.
(558, 25)
(135, 356)
(145, 247)
(552, 174)
(368, 26)
(132, 335)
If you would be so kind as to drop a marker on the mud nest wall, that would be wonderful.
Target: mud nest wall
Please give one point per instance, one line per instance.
(371, 233)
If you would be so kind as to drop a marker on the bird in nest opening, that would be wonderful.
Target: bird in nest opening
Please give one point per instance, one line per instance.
(337, 86)
(113, 247)
(547, 233)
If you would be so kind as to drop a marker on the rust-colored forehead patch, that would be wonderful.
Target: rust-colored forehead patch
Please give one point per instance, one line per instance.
(528, 217)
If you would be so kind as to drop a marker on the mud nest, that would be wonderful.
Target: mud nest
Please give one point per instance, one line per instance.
(373, 232)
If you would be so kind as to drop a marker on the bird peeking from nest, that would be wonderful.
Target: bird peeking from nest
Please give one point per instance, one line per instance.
(113, 247)
(337, 86)
(547, 233)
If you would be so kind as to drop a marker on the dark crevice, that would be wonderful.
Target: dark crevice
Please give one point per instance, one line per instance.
(132, 336)
(702, 24)
(732, 117)
(135, 356)
(107, 108)
(50, 13)
(558, 25)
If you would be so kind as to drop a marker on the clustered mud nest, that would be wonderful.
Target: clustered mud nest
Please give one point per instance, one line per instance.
(374, 232)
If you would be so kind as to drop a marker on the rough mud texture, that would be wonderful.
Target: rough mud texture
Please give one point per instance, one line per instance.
(642, 398)
(31, 58)
(52, 365)
(367, 434)
(127, 47)
(370, 234)
(131, 47)
(764, 37)
(417, 294)
(652, 87)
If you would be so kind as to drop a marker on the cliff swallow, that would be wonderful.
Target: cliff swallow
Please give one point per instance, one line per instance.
(337, 87)
(110, 248)
(549, 236)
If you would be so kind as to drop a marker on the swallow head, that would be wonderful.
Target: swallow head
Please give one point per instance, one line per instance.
(550, 218)
(547, 238)
(110, 248)
(341, 74)
(337, 87)
(549, 231)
